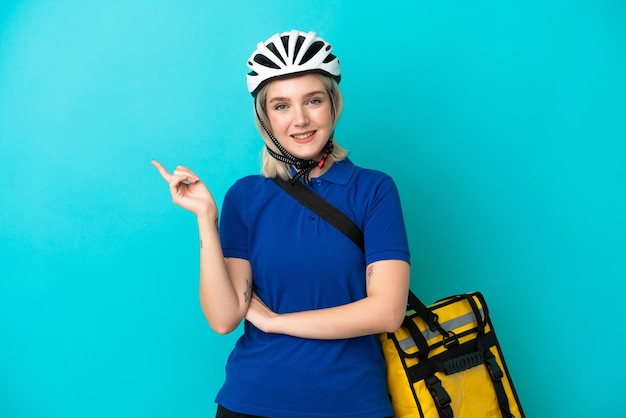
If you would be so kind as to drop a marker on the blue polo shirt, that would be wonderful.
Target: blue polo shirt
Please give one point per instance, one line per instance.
(300, 262)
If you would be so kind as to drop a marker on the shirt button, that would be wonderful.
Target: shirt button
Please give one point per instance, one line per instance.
(311, 218)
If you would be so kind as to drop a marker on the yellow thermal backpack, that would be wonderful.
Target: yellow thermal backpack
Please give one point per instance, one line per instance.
(445, 361)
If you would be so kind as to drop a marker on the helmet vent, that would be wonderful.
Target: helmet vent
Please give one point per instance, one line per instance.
(310, 53)
(264, 61)
(273, 48)
(299, 42)
(285, 41)
(329, 58)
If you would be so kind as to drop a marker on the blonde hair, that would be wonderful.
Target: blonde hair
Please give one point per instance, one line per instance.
(271, 167)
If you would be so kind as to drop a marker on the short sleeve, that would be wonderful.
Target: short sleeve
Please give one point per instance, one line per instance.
(383, 228)
(233, 230)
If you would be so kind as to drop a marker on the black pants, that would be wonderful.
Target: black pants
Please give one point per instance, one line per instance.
(225, 413)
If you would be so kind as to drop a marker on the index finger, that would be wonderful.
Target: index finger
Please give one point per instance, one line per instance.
(167, 176)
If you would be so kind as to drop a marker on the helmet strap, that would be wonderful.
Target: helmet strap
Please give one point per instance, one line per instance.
(303, 167)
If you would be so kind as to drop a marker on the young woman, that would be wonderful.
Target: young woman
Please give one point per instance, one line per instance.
(313, 302)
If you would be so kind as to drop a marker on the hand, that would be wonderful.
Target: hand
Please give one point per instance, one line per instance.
(259, 314)
(188, 191)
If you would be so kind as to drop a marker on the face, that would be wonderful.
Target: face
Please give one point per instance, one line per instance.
(300, 114)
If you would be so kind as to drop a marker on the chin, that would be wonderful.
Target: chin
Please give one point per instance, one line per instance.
(308, 156)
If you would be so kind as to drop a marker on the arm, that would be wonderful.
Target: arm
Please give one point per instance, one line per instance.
(225, 284)
(382, 310)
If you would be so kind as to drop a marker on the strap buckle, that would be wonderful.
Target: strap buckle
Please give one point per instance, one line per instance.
(494, 370)
(449, 338)
(440, 396)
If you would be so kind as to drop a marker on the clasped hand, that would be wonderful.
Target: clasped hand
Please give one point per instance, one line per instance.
(260, 315)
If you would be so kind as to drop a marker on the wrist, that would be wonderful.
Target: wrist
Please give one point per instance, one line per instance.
(207, 220)
(274, 323)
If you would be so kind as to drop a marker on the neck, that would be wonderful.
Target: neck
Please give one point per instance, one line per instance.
(317, 171)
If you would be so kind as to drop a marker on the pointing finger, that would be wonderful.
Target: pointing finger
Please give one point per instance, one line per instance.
(164, 173)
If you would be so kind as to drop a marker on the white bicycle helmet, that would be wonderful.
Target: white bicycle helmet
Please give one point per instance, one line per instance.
(290, 53)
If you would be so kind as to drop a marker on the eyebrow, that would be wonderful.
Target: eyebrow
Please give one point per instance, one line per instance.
(286, 99)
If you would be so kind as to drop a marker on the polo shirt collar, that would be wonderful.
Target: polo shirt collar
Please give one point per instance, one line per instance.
(339, 173)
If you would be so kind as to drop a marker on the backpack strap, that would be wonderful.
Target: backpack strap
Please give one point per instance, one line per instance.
(324, 209)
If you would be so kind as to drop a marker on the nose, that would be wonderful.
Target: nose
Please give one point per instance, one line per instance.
(301, 117)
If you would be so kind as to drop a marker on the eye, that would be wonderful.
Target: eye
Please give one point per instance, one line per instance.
(280, 106)
(315, 101)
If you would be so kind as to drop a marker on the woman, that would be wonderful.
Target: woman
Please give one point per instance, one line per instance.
(312, 300)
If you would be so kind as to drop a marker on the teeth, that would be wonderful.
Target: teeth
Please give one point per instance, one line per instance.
(303, 136)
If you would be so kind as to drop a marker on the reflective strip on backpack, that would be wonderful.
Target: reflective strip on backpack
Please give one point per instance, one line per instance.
(451, 325)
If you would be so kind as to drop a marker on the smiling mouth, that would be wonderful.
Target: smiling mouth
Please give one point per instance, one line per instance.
(304, 135)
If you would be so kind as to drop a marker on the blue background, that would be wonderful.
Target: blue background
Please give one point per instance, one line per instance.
(502, 123)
